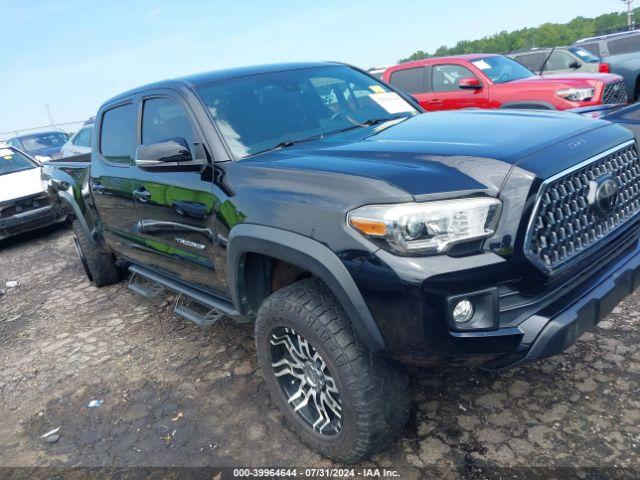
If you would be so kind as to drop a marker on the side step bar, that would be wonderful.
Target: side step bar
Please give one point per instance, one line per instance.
(192, 304)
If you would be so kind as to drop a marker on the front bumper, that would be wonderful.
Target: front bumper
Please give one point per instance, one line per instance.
(29, 220)
(410, 301)
(547, 334)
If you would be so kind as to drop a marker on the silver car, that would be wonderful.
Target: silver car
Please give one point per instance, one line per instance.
(562, 60)
(79, 143)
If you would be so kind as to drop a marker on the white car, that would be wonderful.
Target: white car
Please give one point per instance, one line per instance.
(24, 203)
(79, 143)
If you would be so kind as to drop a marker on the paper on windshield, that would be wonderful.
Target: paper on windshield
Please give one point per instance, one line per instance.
(391, 102)
(481, 64)
(376, 89)
(6, 153)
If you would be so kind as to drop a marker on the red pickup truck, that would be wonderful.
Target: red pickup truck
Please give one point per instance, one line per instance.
(495, 81)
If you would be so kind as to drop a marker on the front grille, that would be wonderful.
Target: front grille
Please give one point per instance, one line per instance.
(567, 220)
(25, 204)
(615, 93)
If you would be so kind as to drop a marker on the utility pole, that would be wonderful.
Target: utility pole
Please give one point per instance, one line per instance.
(630, 21)
(48, 109)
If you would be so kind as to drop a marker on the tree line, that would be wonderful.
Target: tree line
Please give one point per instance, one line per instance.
(546, 35)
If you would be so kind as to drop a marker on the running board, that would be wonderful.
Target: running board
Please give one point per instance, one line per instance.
(199, 307)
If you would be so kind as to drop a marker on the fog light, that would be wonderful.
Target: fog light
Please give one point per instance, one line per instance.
(463, 311)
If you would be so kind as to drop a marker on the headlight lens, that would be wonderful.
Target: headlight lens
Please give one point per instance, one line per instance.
(427, 228)
(576, 94)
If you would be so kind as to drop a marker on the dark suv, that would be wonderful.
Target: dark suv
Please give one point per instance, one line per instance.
(355, 231)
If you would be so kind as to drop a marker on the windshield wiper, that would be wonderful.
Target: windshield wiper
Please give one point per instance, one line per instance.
(288, 143)
(369, 123)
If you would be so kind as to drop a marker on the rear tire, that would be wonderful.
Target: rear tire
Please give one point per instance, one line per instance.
(99, 266)
(361, 401)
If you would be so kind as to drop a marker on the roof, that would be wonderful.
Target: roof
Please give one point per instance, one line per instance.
(467, 57)
(609, 35)
(226, 74)
(538, 49)
(35, 134)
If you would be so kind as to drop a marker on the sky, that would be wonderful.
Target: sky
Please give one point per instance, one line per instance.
(75, 54)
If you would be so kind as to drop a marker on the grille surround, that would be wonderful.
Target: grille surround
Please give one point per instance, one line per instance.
(615, 92)
(623, 162)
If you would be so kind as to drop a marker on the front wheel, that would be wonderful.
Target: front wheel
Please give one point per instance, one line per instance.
(340, 399)
(99, 266)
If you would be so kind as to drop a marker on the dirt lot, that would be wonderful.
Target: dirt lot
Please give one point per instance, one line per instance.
(178, 395)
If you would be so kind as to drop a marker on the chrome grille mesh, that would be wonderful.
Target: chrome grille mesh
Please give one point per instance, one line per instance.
(615, 93)
(565, 221)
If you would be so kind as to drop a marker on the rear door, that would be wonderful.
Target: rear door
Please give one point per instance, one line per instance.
(446, 93)
(111, 184)
(177, 207)
(413, 81)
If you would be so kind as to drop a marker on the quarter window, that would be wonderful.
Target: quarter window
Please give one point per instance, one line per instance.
(164, 118)
(447, 77)
(117, 134)
(410, 80)
(628, 44)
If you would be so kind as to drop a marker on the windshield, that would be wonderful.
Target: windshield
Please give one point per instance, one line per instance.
(11, 161)
(585, 55)
(259, 112)
(502, 69)
(36, 142)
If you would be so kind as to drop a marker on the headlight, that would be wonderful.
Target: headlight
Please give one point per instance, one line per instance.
(427, 228)
(576, 94)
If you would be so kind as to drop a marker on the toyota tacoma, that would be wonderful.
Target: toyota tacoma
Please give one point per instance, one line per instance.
(357, 232)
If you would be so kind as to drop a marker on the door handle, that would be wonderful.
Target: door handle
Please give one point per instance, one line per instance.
(142, 195)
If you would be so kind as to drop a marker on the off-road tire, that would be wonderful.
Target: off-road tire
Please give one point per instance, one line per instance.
(373, 390)
(99, 266)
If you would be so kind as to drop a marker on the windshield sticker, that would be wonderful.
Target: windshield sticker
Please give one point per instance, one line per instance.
(581, 53)
(482, 65)
(391, 102)
(6, 154)
(376, 89)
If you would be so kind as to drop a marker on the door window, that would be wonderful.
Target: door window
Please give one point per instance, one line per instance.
(410, 80)
(164, 118)
(560, 61)
(117, 134)
(447, 78)
(592, 47)
(533, 61)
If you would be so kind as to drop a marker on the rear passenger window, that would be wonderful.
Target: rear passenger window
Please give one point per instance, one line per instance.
(410, 80)
(624, 45)
(117, 134)
(533, 61)
(164, 118)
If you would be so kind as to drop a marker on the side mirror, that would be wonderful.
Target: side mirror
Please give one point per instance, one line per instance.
(574, 65)
(169, 153)
(470, 83)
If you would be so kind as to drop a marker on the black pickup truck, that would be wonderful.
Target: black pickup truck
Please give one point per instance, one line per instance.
(357, 232)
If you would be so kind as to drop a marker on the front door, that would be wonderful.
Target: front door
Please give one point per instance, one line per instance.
(446, 93)
(177, 207)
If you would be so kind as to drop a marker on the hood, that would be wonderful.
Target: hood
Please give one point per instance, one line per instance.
(432, 153)
(20, 184)
(570, 79)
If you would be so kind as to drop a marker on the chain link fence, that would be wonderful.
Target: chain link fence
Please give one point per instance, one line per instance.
(69, 128)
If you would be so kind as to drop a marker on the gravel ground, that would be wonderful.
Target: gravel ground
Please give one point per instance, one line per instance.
(175, 394)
